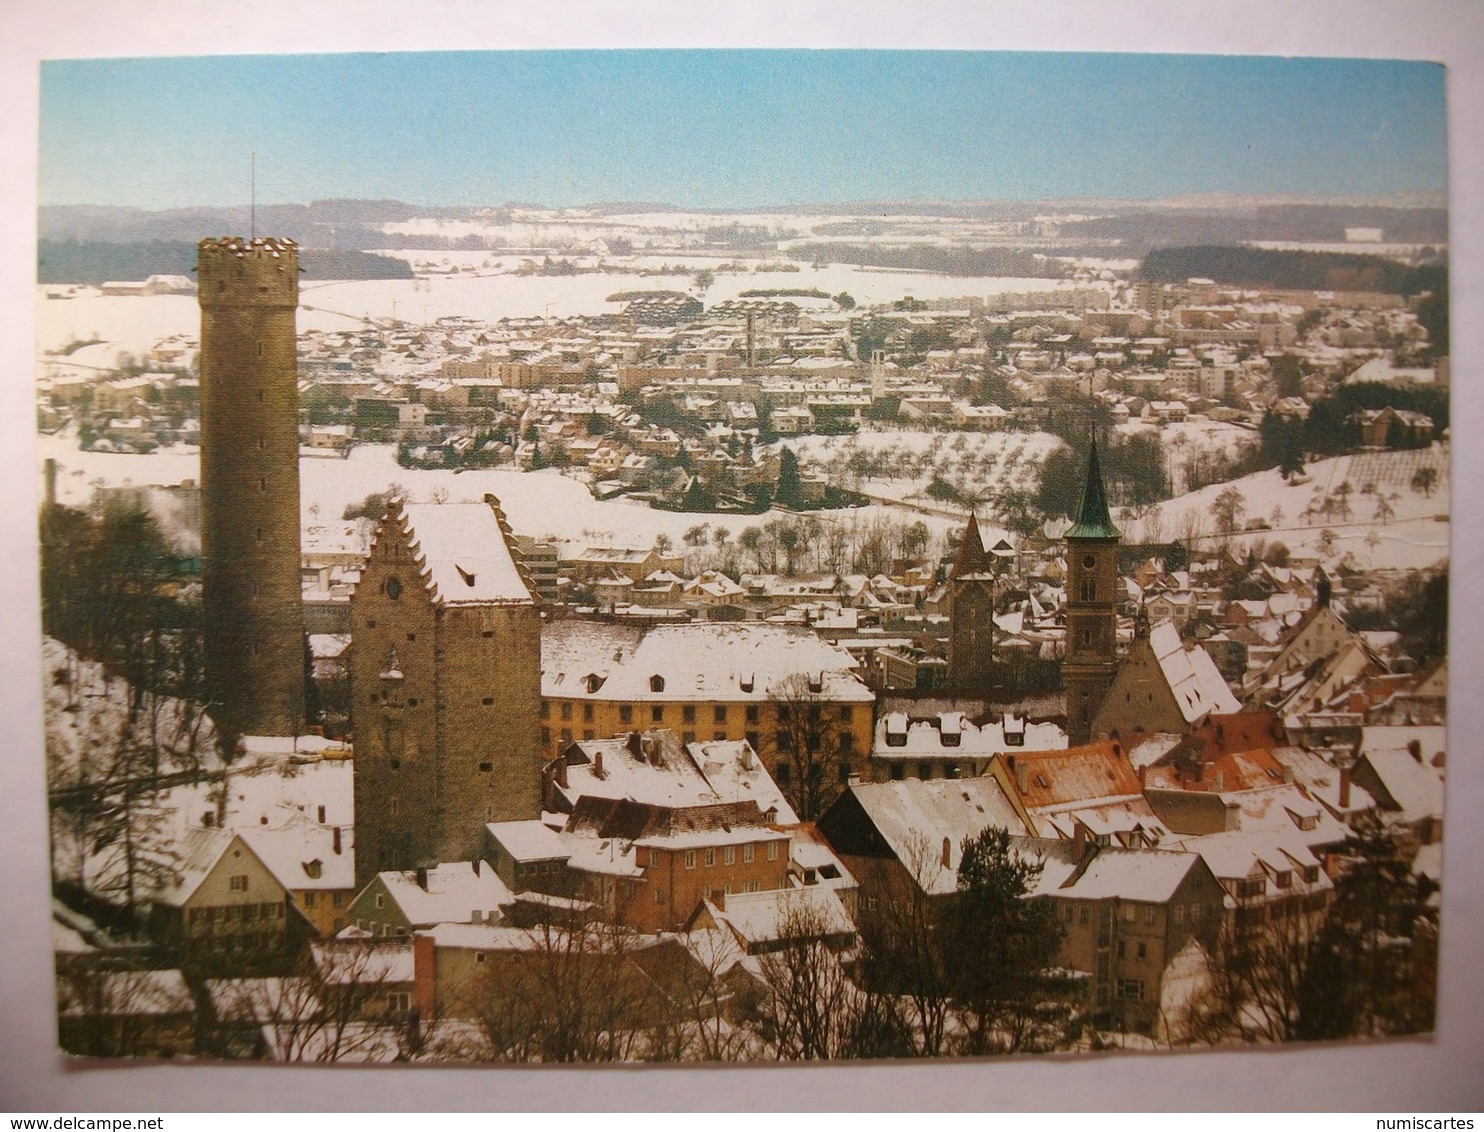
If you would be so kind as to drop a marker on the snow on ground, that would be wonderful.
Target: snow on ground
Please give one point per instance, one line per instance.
(134, 323)
(543, 504)
(1413, 536)
(898, 464)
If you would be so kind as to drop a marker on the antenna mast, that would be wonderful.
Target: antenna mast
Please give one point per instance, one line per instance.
(253, 197)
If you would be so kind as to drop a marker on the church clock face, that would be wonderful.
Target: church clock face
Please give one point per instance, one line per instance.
(1089, 561)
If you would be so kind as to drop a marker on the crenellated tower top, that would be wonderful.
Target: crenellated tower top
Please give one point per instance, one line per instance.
(234, 271)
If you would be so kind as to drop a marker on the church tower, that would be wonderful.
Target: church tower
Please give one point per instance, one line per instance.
(982, 557)
(1091, 658)
(249, 293)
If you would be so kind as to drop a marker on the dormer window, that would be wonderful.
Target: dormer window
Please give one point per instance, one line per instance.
(656, 683)
(592, 682)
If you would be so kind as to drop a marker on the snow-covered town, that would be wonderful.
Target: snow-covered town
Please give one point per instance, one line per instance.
(714, 671)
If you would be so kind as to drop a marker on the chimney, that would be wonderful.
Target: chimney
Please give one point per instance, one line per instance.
(947, 853)
(561, 771)
(422, 877)
(475, 863)
(598, 764)
(335, 840)
(424, 974)
(1344, 788)
(1233, 817)
(1143, 774)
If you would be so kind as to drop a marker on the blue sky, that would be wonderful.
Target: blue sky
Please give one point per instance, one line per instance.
(731, 129)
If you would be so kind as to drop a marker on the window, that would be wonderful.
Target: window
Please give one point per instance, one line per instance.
(781, 774)
(729, 855)
(309, 900)
(772, 850)
(1082, 915)
(752, 715)
(656, 683)
(337, 899)
(238, 883)
(847, 743)
(1128, 913)
(1088, 590)
(587, 713)
(783, 741)
(690, 858)
(1179, 913)
(545, 709)
(485, 768)
(479, 957)
(399, 1002)
(719, 714)
(1149, 915)
(380, 900)
(1143, 950)
(687, 737)
(748, 852)
(626, 713)
(657, 714)
(546, 736)
(1131, 990)
(710, 858)
(566, 736)
(1120, 949)
(688, 713)
(754, 740)
(1195, 913)
(658, 894)
(566, 711)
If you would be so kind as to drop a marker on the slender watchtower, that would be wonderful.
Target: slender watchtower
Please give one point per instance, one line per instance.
(1091, 658)
(249, 292)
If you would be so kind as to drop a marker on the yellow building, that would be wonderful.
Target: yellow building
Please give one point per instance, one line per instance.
(794, 697)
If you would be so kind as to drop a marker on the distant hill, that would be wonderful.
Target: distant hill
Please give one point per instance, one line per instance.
(97, 261)
(1290, 270)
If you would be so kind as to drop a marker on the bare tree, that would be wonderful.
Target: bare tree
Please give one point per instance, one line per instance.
(806, 750)
(568, 994)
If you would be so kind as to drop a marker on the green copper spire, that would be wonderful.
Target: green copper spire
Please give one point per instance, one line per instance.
(1093, 520)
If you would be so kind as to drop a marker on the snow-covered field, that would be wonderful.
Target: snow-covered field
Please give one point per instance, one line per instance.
(134, 323)
(1394, 525)
(543, 504)
(898, 464)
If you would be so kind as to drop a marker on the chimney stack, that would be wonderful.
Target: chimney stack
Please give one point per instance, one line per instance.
(335, 840)
(947, 853)
(422, 877)
(598, 764)
(1344, 788)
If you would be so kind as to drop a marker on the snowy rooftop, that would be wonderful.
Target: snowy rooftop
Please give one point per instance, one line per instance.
(455, 891)
(1150, 875)
(528, 840)
(925, 737)
(463, 551)
(654, 768)
(1193, 678)
(353, 961)
(121, 993)
(918, 818)
(700, 661)
(302, 855)
(760, 917)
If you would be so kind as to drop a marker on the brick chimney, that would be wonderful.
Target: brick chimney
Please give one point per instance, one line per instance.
(1344, 788)
(598, 764)
(422, 877)
(424, 974)
(335, 840)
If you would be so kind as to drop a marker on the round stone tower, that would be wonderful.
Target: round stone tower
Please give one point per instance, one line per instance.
(249, 292)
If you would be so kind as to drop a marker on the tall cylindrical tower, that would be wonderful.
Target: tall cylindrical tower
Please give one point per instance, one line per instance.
(249, 292)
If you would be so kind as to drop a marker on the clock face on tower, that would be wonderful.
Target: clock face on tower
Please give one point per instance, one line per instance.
(1089, 561)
